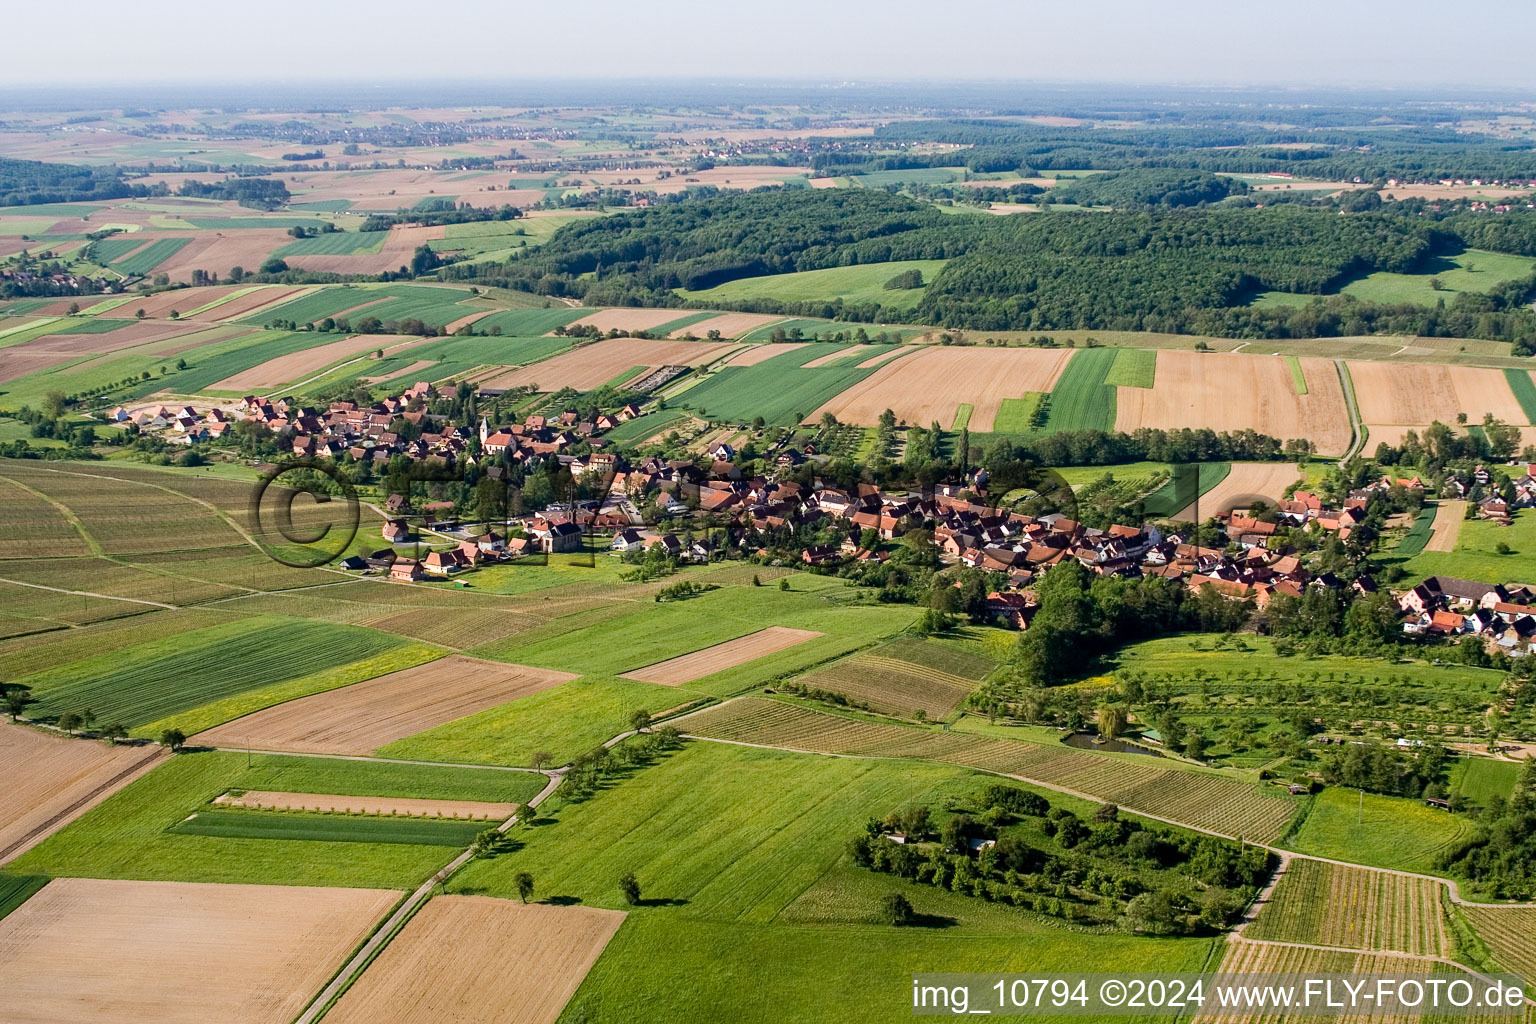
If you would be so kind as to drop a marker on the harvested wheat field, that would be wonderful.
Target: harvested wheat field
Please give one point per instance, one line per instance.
(590, 366)
(408, 806)
(751, 355)
(627, 319)
(928, 385)
(1226, 391)
(730, 325)
(477, 958)
(52, 780)
(217, 252)
(1422, 393)
(262, 297)
(89, 950)
(362, 717)
(182, 300)
(1267, 480)
(297, 366)
(1449, 515)
(465, 321)
(688, 667)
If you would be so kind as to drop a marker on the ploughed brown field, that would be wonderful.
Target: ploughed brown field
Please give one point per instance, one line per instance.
(1227, 391)
(217, 252)
(751, 355)
(1420, 393)
(262, 298)
(1449, 516)
(477, 958)
(87, 950)
(1266, 479)
(730, 325)
(624, 319)
(182, 300)
(688, 667)
(410, 806)
(360, 718)
(929, 385)
(590, 366)
(52, 780)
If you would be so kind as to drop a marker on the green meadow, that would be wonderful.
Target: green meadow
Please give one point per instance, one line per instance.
(851, 285)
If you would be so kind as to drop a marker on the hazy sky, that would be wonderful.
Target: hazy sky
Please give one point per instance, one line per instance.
(1308, 43)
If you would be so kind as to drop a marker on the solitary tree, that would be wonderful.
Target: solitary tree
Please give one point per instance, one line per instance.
(16, 700)
(69, 722)
(896, 909)
(640, 720)
(173, 738)
(541, 758)
(114, 731)
(629, 885)
(87, 719)
(1111, 720)
(524, 882)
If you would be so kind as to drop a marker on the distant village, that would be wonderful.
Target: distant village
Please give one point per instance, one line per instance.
(664, 502)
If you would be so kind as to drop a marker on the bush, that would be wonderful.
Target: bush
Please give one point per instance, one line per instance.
(896, 909)
(905, 280)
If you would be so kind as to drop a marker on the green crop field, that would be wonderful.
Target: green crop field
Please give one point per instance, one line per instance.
(335, 243)
(851, 285)
(1523, 384)
(1016, 415)
(1081, 400)
(149, 681)
(1480, 779)
(1378, 831)
(109, 250)
(781, 390)
(1133, 368)
(329, 828)
(644, 426)
(1476, 555)
(150, 257)
(1298, 378)
(1419, 533)
(1171, 498)
(82, 325)
(528, 323)
(17, 889)
(740, 854)
(130, 835)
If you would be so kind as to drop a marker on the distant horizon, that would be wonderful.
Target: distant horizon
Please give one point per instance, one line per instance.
(1123, 42)
(1021, 96)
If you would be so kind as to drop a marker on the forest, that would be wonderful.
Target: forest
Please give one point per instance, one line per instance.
(31, 182)
(1330, 153)
(1183, 271)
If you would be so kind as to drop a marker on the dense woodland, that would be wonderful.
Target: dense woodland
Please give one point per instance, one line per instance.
(30, 182)
(1189, 271)
(1335, 153)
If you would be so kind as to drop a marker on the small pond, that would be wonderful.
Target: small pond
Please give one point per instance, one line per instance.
(1088, 741)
